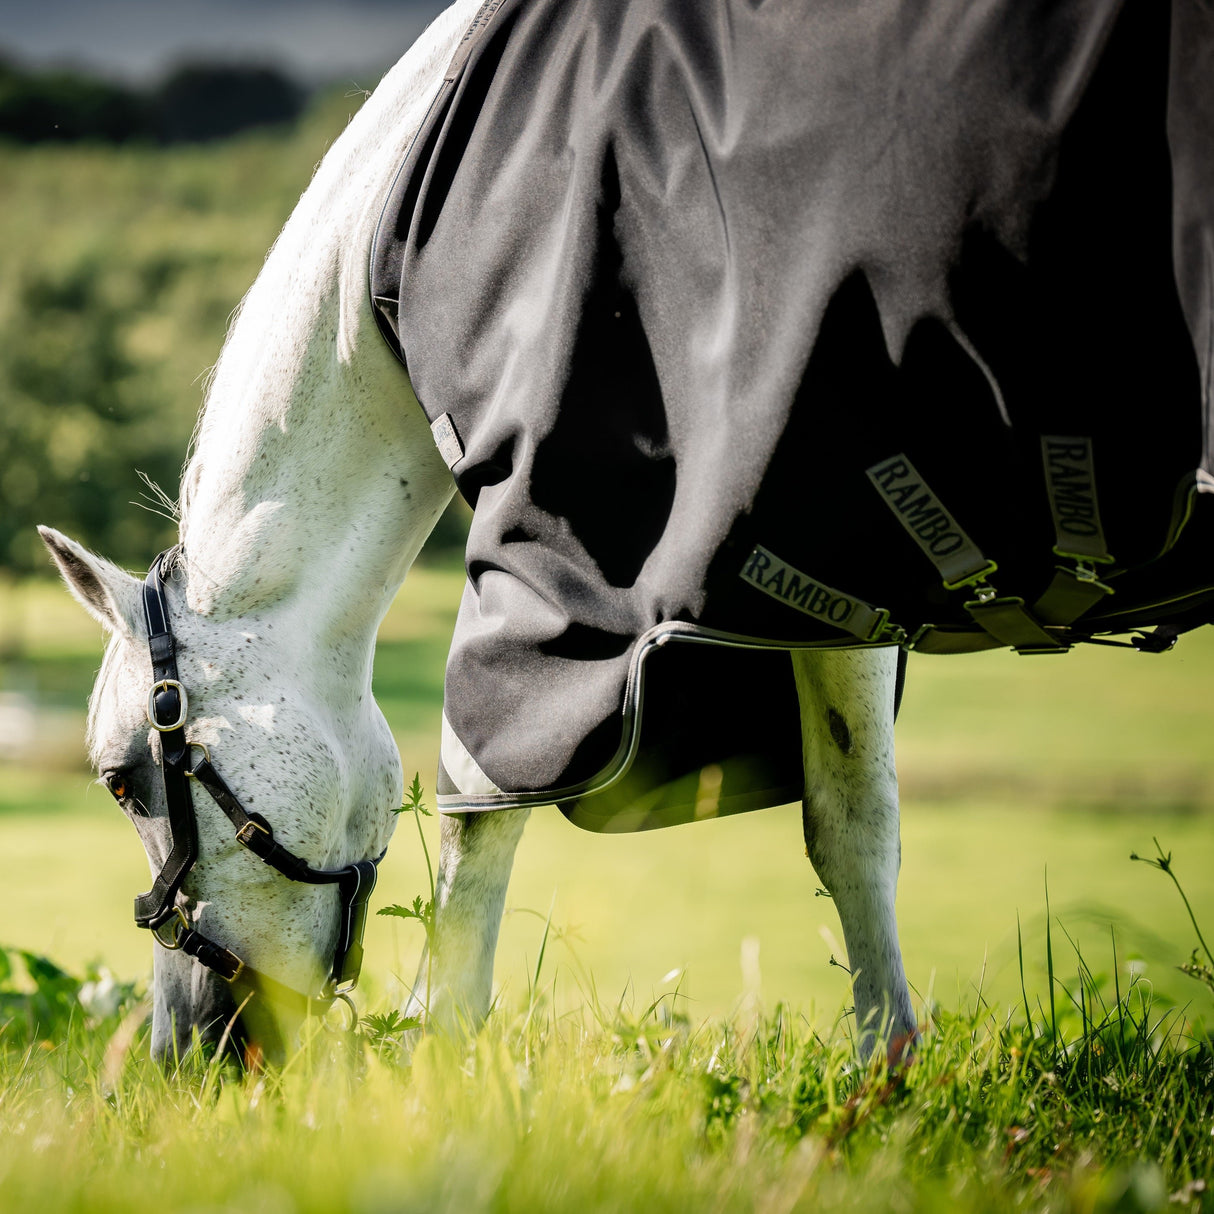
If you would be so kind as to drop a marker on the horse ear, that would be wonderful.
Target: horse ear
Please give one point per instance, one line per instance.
(109, 594)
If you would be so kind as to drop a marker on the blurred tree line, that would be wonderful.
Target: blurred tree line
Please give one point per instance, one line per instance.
(119, 268)
(194, 102)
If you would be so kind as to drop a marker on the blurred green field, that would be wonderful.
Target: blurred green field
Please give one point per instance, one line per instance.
(1013, 768)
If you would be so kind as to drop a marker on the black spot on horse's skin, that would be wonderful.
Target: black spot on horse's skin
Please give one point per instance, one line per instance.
(839, 731)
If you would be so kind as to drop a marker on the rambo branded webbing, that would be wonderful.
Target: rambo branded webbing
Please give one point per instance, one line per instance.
(695, 295)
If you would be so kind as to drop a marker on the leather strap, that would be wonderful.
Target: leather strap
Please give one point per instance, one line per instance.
(228, 965)
(214, 956)
(165, 705)
(167, 713)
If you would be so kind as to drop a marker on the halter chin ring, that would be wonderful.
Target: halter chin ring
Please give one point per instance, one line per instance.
(183, 702)
(176, 925)
(350, 1015)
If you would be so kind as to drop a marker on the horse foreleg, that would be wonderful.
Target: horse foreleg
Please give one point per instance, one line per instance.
(455, 980)
(850, 817)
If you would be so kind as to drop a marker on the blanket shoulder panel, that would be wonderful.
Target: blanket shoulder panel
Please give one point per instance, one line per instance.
(679, 277)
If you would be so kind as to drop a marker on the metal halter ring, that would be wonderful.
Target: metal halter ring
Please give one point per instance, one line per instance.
(350, 1014)
(177, 924)
(182, 699)
(189, 771)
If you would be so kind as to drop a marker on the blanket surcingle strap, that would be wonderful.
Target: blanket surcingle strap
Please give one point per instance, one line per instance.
(752, 328)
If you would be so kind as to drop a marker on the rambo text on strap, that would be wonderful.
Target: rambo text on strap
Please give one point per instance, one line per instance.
(158, 909)
(798, 590)
(1070, 482)
(959, 561)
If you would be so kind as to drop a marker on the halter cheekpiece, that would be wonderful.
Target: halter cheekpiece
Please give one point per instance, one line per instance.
(182, 761)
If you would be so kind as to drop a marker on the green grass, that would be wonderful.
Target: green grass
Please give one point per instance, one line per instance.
(619, 1108)
(740, 1092)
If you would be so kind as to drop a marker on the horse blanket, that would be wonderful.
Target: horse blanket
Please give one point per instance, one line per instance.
(746, 326)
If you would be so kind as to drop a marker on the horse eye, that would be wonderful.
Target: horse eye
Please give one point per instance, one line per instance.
(122, 790)
(119, 784)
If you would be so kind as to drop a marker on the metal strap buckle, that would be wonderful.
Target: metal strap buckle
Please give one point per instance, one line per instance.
(1083, 572)
(244, 835)
(182, 699)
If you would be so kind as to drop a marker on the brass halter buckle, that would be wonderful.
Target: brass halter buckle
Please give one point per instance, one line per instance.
(182, 699)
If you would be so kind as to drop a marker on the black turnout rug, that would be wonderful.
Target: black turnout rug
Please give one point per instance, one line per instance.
(751, 326)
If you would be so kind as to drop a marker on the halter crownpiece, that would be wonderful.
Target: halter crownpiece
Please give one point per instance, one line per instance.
(183, 760)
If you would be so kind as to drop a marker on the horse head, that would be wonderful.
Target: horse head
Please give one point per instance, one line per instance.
(314, 776)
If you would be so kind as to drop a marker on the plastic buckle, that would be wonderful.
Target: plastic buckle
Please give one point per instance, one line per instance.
(883, 632)
(890, 634)
(974, 579)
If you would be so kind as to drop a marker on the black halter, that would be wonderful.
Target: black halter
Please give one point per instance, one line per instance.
(183, 760)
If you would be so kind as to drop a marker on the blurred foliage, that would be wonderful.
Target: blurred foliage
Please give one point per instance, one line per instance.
(66, 106)
(202, 101)
(39, 1001)
(119, 268)
(195, 101)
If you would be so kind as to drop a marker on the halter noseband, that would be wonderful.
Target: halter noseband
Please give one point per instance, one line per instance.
(183, 760)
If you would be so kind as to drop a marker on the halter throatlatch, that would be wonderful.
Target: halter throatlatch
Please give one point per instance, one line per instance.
(183, 760)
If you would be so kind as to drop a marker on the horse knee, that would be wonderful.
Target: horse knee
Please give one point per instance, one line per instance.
(853, 843)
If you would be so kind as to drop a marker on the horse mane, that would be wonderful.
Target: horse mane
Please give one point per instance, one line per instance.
(378, 133)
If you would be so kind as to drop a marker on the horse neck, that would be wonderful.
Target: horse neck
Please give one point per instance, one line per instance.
(314, 479)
